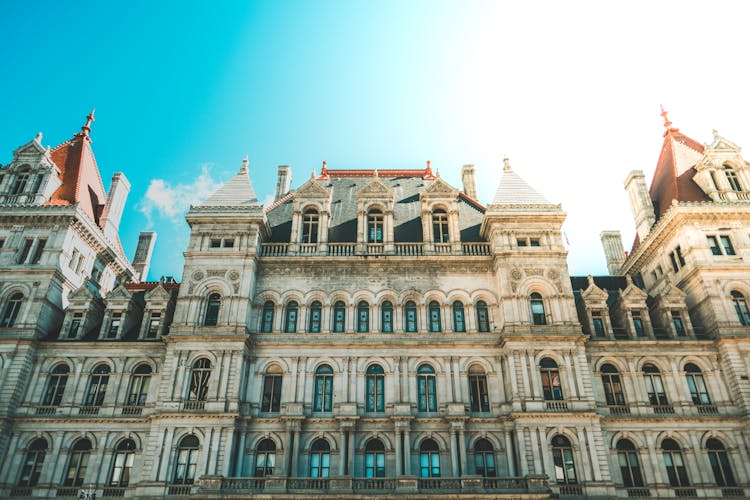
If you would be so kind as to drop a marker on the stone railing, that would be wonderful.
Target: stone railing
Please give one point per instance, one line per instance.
(342, 484)
(476, 249)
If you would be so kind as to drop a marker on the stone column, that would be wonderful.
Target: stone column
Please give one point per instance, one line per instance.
(407, 455)
(294, 455)
(350, 452)
(453, 451)
(462, 451)
(342, 453)
(287, 452)
(510, 455)
(399, 453)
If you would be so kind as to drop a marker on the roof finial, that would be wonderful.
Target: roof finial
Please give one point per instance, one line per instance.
(38, 137)
(667, 123)
(428, 170)
(312, 174)
(243, 168)
(89, 120)
(506, 163)
(323, 169)
(375, 173)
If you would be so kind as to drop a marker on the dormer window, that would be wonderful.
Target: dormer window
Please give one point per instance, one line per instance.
(440, 226)
(75, 325)
(375, 226)
(114, 325)
(679, 325)
(19, 185)
(310, 221)
(734, 182)
(720, 245)
(598, 323)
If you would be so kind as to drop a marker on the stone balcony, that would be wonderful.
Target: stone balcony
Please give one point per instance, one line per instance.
(473, 249)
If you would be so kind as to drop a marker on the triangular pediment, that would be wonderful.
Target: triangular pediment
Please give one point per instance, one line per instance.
(31, 148)
(671, 292)
(311, 189)
(440, 188)
(120, 293)
(375, 189)
(157, 293)
(593, 292)
(723, 144)
(633, 292)
(81, 294)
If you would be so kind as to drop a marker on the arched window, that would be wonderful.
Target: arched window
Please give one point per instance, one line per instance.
(139, 384)
(484, 458)
(122, 463)
(483, 317)
(339, 317)
(734, 182)
(320, 458)
(375, 380)
(538, 316)
(11, 310)
(676, 471)
(199, 378)
(429, 459)
(97, 386)
(612, 386)
(265, 458)
(56, 385)
(427, 399)
(657, 397)
(187, 460)
(375, 226)
(32, 464)
(410, 316)
(720, 466)
(290, 322)
(310, 226)
(323, 400)
(374, 458)
(212, 310)
(386, 317)
(459, 322)
(550, 380)
(630, 466)
(78, 462)
(434, 312)
(363, 317)
(740, 307)
(562, 454)
(480, 401)
(316, 313)
(271, 389)
(696, 384)
(266, 322)
(440, 227)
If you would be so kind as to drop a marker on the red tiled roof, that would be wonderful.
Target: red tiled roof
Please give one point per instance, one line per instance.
(81, 180)
(145, 286)
(673, 177)
(425, 173)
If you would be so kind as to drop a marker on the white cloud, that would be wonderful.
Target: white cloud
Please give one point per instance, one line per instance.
(172, 201)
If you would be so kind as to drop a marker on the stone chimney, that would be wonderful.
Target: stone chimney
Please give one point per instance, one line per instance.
(112, 213)
(283, 182)
(613, 250)
(142, 260)
(469, 182)
(640, 203)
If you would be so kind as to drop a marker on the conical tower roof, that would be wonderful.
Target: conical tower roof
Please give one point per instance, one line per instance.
(238, 191)
(513, 190)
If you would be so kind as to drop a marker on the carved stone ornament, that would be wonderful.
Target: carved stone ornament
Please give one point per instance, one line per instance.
(516, 274)
(197, 275)
(553, 274)
(535, 271)
(234, 275)
(216, 272)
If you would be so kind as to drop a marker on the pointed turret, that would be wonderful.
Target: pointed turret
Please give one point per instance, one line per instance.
(513, 190)
(238, 191)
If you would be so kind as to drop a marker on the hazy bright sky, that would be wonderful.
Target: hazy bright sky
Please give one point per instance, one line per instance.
(570, 91)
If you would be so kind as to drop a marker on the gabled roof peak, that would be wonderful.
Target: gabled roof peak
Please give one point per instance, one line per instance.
(237, 191)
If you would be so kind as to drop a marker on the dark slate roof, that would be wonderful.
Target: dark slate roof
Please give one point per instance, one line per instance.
(613, 285)
(406, 214)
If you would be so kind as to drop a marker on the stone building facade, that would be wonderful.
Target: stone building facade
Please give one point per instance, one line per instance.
(375, 332)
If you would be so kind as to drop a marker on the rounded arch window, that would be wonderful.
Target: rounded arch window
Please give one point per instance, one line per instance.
(613, 391)
(265, 458)
(290, 322)
(339, 316)
(323, 398)
(562, 454)
(363, 317)
(429, 459)
(320, 458)
(440, 232)
(734, 182)
(696, 385)
(386, 317)
(674, 463)
(55, 389)
(375, 226)
(374, 458)
(310, 223)
(459, 321)
(484, 458)
(272, 383)
(78, 462)
(187, 460)
(720, 466)
(139, 385)
(316, 313)
(483, 317)
(199, 379)
(266, 321)
(538, 314)
(212, 310)
(12, 308)
(122, 463)
(478, 393)
(740, 308)
(375, 388)
(630, 466)
(97, 388)
(33, 463)
(434, 317)
(426, 390)
(410, 316)
(551, 385)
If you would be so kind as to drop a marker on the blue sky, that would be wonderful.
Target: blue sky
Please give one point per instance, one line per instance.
(183, 90)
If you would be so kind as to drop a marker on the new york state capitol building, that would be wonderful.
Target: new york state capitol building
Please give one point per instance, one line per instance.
(375, 332)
